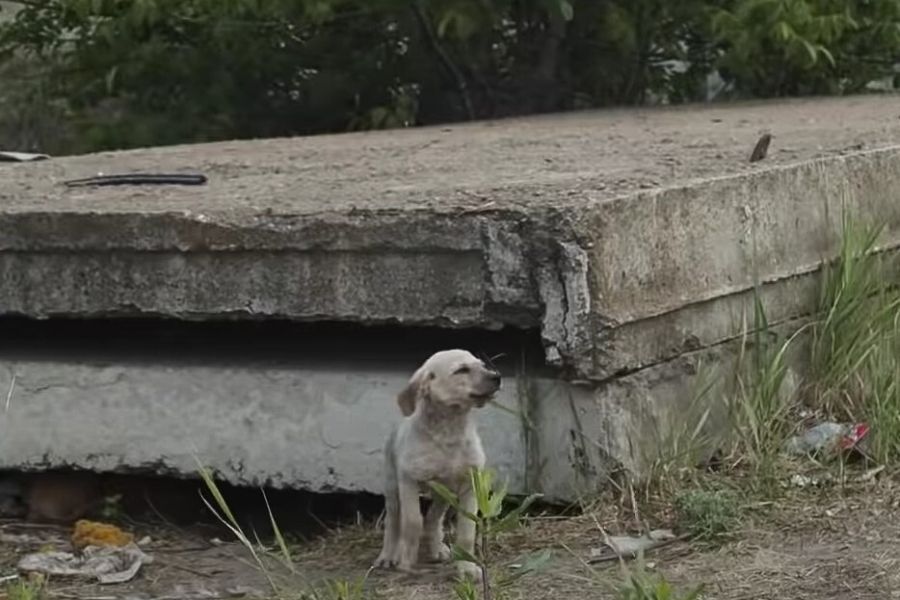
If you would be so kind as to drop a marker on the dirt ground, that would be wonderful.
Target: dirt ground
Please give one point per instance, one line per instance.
(834, 542)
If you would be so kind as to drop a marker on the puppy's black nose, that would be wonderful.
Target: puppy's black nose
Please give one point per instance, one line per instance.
(494, 376)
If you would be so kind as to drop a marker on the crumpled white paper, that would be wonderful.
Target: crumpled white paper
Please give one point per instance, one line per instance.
(105, 564)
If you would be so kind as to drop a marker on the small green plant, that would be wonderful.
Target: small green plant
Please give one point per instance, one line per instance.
(31, 588)
(707, 514)
(640, 585)
(489, 522)
(337, 590)
(465, 589)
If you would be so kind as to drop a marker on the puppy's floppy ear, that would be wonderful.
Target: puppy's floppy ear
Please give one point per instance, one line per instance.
(407, 398)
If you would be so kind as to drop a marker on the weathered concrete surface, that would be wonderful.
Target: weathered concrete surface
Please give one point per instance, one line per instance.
(260, 425)
(529, 223)
(317, 428)
(629, 239)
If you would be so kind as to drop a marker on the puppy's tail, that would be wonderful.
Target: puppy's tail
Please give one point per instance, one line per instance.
(391, 498)
(390, 466)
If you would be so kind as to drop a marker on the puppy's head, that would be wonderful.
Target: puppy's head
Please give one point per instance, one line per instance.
(454, 378)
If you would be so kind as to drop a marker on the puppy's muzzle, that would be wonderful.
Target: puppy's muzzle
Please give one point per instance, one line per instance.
(492, 381)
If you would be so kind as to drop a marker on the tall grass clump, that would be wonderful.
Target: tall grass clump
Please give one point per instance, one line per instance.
(760, 404)
(881, 408)
(855, 361)
(857, 310)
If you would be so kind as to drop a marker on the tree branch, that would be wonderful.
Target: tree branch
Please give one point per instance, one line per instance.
(454, 71)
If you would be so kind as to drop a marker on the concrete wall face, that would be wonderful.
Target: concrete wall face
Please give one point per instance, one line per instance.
(261, 284)
(311, 428)
(317, 428)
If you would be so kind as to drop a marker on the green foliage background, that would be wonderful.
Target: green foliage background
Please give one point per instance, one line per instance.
(81, 75)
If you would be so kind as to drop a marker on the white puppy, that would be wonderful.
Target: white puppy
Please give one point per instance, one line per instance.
(436, 442)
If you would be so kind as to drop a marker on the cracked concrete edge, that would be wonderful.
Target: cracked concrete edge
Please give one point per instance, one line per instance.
(562, 282)
(600, 280)
(720, 236)
(671, 271)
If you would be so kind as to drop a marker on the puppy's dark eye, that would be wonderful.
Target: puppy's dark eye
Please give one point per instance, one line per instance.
(462, 369)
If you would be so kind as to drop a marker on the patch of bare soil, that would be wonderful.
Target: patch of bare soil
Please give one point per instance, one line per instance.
(186, 564)
(834, 543)
(819, 544)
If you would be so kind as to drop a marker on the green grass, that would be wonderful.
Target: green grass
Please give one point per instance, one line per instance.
(638, 584)
(855, 361)
(858, 307)
(32, 588)
(881, 405)
(853, 375)
(761, 401)
(708, 514)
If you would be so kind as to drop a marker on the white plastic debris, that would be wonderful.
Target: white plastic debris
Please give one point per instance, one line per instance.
(821, 437)
(106, 565)
(626, 546)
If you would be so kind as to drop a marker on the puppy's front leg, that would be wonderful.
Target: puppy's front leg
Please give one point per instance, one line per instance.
(389, 550)
(410, 524)
(465, 534)
(433, 536)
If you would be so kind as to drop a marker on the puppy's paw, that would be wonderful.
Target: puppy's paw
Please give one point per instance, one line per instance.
(438, 553)
(384, 561)
(467, 569)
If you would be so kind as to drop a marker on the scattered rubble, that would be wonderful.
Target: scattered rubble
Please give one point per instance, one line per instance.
(105, 564)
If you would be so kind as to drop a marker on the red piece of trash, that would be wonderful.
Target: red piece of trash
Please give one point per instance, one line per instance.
(854, 436)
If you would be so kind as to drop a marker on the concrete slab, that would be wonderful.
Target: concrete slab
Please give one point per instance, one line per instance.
(629, 240)
(528, 222)
(281, 427)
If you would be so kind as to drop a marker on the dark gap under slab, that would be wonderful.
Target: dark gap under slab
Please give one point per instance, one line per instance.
(271, 342)
(134, 499)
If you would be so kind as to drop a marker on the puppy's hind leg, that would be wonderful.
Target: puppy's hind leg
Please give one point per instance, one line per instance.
(390, 550)
(433, 534)
(410, 524)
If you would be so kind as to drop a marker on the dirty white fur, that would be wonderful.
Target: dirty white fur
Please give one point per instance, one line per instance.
(436, 442)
